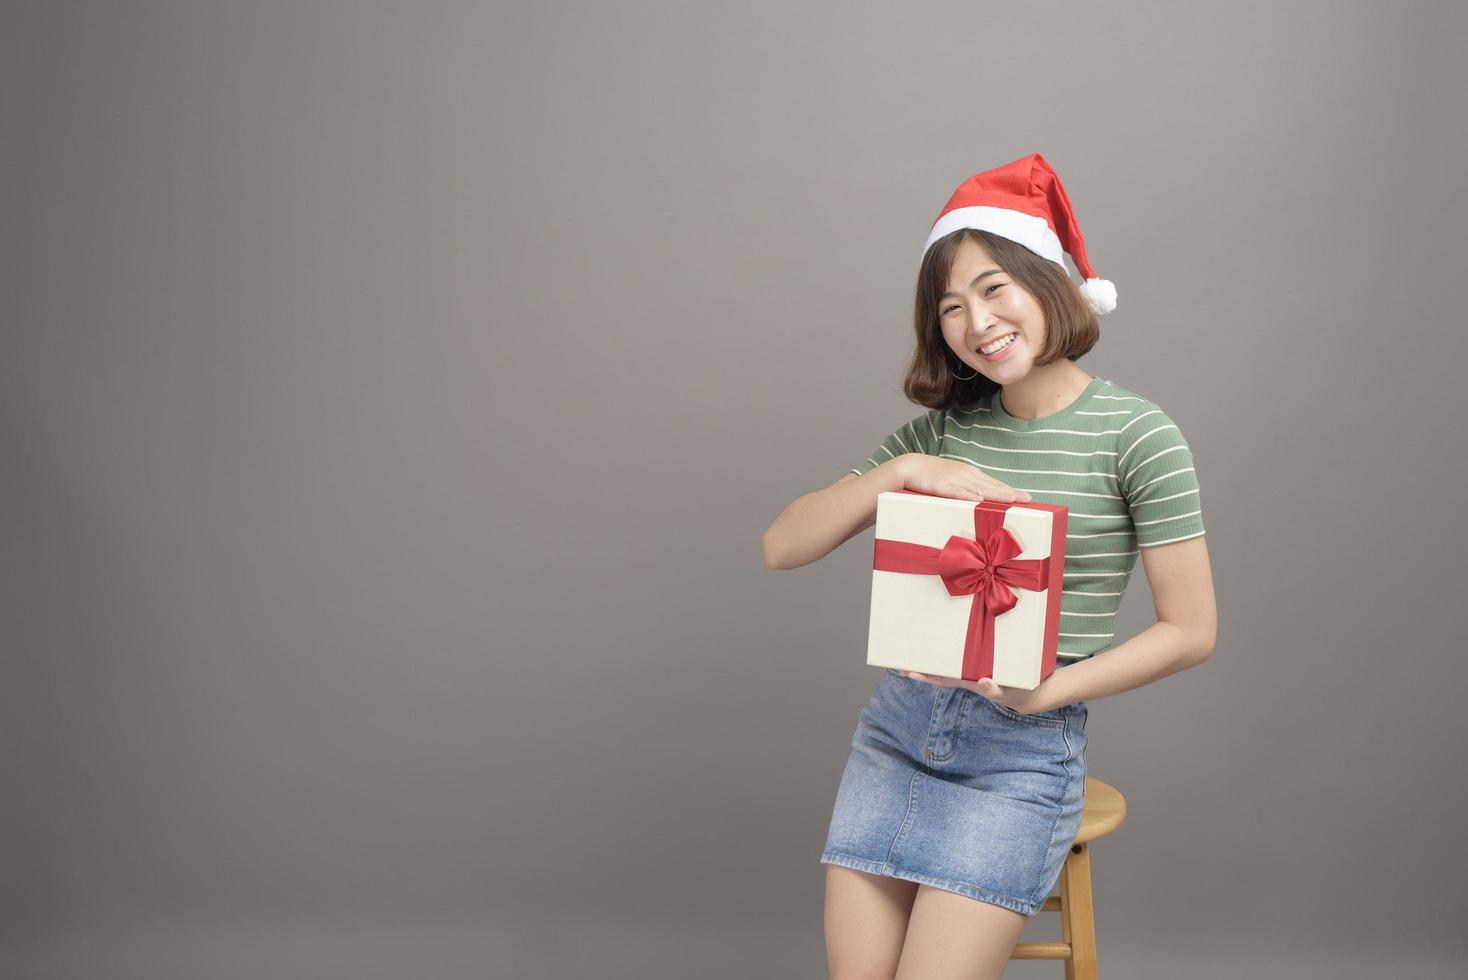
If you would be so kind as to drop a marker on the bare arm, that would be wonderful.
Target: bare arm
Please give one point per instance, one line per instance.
(1184, 635)
(815, 524)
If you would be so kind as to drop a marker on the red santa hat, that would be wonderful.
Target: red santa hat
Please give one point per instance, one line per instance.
(1024, 202)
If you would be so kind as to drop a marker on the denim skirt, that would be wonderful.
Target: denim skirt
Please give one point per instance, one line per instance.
(948, 788)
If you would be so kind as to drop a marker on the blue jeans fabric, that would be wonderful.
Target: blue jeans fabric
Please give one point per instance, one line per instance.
(948, 788)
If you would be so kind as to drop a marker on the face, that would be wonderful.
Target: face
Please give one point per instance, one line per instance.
(984, 305)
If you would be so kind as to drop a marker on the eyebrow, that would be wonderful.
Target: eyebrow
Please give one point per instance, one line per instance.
(981, 276)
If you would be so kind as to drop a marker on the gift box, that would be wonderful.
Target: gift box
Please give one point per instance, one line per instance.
(964, 589)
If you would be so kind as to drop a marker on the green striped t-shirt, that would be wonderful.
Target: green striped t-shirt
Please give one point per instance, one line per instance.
(1111, 456)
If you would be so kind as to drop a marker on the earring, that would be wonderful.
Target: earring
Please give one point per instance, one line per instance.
(969, 378)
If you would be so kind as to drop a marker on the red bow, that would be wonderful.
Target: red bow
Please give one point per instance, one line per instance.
(984, 567)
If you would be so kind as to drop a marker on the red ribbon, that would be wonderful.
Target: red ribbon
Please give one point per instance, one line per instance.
(984, 567)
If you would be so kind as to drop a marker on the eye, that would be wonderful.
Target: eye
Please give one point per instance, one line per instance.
(948, 309)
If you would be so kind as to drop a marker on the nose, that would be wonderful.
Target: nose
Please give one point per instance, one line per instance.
(982, 323)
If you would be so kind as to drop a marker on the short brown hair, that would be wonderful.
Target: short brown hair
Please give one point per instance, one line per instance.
(1070, 327)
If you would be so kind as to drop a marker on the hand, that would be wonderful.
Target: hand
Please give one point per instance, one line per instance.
(952, 478)
(1025, 702)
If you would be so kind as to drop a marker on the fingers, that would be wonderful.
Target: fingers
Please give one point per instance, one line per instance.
(940, 681)
(1008, 495)
(1002, 491)
(984, 685)
(976, 490)
(961, 480)
(966, 493)
(933, 679)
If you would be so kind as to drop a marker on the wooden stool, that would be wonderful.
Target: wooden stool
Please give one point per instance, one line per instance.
(1104, 811)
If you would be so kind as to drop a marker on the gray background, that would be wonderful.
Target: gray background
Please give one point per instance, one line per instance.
(392, 398)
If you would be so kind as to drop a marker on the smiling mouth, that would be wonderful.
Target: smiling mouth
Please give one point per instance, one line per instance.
(999, 345)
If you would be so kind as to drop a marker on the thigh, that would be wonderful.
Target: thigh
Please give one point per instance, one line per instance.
(951, 936)
(866, 919)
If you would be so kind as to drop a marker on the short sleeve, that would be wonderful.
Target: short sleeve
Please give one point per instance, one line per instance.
(921, 435)
(1158, 478)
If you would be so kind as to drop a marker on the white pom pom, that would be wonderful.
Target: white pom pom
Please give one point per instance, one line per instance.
(1100, 295)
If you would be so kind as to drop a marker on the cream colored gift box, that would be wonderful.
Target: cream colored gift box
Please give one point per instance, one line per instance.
(916, 621)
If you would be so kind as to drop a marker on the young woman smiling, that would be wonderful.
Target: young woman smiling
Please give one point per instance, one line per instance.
(960, 799)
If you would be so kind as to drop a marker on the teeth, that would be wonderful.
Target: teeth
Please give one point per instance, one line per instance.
(998, 345)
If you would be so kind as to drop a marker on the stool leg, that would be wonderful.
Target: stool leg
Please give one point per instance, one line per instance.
(1077, 915)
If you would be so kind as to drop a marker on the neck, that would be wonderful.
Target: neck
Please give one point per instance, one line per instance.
(1044, 390)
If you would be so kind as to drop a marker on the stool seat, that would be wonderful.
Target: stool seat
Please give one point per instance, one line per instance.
(1104, 810)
